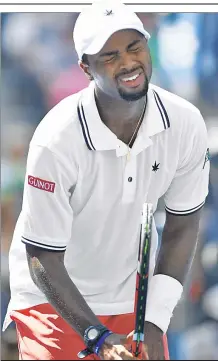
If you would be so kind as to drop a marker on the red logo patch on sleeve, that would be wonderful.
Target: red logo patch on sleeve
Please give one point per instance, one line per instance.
(41, 184)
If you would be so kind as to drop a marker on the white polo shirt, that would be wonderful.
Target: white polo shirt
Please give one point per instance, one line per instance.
(82, 196)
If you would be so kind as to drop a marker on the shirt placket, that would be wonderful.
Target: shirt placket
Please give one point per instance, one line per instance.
(129, 180)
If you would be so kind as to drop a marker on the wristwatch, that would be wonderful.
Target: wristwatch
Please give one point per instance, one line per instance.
(94, 337)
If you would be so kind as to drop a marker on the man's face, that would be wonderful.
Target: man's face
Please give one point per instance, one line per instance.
(122, 68)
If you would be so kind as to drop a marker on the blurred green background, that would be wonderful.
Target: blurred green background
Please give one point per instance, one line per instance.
(39, 68)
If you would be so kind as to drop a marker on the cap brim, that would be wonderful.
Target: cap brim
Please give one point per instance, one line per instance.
(102, 38)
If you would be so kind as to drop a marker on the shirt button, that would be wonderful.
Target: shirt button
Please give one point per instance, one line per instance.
(130, 179)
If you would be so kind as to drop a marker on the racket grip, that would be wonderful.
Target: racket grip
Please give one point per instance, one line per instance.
(139, 351)
(137, 348)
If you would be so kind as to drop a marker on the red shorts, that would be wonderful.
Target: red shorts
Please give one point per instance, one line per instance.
(44, 335)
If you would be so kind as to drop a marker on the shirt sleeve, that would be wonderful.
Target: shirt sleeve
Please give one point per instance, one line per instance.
(189, 187)
(47, 215)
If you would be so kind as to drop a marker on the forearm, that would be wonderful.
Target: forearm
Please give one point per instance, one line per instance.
(178, 245)
(53, 280)
(178, 248)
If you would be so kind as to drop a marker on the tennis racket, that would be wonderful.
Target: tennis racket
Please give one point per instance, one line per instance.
(142, 278)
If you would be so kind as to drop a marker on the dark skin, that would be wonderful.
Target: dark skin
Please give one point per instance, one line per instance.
(120, 108)
(47, 269)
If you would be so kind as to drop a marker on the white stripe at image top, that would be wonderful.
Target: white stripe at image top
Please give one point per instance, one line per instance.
(127, 2)
(160, 6)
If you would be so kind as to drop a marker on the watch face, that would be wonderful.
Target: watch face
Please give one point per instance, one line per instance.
(92, 334)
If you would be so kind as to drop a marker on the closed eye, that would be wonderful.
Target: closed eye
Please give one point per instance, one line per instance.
(135, 46)
(135, 49)
(111, 58)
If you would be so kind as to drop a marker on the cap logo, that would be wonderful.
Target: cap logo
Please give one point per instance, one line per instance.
(108, 12)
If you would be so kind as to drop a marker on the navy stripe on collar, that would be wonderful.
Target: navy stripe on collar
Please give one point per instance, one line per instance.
(84, 126)
(162, 110)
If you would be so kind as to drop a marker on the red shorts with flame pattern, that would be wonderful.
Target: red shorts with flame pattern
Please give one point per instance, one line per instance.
(44, 335)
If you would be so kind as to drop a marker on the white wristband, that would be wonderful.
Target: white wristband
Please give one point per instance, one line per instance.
(164, 292)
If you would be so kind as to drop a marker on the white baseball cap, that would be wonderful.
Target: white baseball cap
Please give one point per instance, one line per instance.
(98, 22)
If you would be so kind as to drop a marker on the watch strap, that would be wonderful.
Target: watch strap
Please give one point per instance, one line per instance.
(101, 341)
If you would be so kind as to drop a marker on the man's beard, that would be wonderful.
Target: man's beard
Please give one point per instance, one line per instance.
(131, 97)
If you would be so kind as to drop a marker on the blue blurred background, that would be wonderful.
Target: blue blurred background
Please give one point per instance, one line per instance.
(39, 68)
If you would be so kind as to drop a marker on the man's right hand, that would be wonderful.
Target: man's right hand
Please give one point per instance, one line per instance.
(117, 347)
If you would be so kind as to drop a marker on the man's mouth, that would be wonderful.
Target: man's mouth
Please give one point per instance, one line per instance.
(133, 79)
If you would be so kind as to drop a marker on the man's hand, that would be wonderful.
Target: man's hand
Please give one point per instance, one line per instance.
(117, 347)
(154, 342)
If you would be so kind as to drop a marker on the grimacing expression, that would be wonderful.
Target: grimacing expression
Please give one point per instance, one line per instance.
(122, 68)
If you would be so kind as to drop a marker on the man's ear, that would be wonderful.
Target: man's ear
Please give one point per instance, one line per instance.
(85, 69)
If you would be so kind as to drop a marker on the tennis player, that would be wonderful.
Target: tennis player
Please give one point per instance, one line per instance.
(93, 161)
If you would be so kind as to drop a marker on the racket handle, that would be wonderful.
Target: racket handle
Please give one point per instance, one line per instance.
(137, 344)
(142, 353)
